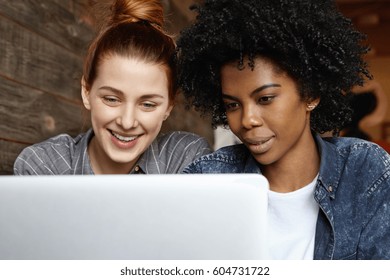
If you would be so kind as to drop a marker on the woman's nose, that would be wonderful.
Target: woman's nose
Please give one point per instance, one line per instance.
(127, 118)
(251, 117)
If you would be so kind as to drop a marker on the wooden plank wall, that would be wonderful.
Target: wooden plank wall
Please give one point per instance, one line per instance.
(42, 45)
(41, 53)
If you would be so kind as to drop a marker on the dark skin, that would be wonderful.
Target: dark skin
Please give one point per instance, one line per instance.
(264, 109)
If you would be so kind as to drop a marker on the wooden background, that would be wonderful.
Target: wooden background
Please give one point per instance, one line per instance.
(42, 47)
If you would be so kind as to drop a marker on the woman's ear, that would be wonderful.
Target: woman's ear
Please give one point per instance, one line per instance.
(85, 94)
(311, 105)
(168, 112)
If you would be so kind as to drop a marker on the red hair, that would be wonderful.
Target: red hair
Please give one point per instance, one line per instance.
(135, 30)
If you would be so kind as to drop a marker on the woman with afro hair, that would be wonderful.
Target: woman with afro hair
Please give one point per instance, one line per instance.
(279, 74)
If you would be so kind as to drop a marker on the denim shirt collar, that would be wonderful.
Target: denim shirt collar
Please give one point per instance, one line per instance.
(330, 168)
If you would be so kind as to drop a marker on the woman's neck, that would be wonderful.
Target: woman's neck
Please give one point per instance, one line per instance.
(102, 164)
(297, 169)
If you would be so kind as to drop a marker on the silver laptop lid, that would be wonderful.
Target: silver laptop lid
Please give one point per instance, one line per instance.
(218, 216)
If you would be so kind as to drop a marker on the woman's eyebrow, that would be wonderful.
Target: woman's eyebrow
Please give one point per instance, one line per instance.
(255, 91)
(114, 90)
(117, 91)
(259, 89)
(152, 95)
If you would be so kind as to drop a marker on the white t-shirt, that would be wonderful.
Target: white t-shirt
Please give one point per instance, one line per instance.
(292, 219)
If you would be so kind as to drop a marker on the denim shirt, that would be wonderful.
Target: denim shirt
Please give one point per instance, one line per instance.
(352, 190)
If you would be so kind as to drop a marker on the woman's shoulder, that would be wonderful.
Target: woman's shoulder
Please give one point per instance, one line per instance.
(228, 159)
(60, 142)
(355, 146)
(183, 140)
(363, 158)
(234, 154)
(178, 135)
(46, 156)
(173, 151)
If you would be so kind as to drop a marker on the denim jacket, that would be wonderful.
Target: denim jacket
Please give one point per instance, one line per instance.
(352, 190)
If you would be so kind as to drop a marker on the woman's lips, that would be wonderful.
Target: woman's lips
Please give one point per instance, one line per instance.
(123, 138)
(259, 145)
(124, 141)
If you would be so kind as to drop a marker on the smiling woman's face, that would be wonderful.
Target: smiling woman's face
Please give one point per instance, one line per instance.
(264, 109)
(129, 100)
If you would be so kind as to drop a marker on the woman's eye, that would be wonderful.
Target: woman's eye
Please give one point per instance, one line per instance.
(111, 100)
(229, 106)
(266, 99)
(149, 105)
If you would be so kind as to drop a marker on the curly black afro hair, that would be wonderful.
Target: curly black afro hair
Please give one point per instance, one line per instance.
(310, 40)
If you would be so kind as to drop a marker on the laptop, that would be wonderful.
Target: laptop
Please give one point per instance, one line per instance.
(137, 217)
